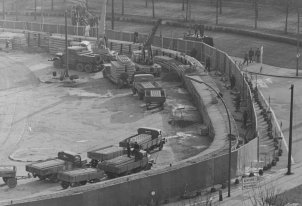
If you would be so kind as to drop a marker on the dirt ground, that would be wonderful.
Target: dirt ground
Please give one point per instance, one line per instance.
(41, 116)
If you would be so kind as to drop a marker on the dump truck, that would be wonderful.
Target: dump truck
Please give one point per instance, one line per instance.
(104, 153)
(148, 90)
(78, 177)
(124, 165)
(50, 168)
(147, 138)
(120, 71)
(8, 174)
(79, 59)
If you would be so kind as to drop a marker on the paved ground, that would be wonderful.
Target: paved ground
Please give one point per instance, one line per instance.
(38, 119)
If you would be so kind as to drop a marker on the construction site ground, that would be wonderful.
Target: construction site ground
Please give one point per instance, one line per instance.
(40, 116)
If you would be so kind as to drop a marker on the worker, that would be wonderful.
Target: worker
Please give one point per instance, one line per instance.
(128, 149)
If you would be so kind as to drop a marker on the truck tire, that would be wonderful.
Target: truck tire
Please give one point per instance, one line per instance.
(5, 179)
(11, 182)
(57, 63)
(65, 185)
(80, 67)
(88, 68)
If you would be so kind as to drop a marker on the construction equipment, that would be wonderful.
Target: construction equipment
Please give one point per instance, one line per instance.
(119, 71)
(50, 168)
(125, 165)
(146, 138)
(104, 153)
(80, 177)
(8, 174)
(148, 90)
(199, 36)
(143, 58)
(79, 58)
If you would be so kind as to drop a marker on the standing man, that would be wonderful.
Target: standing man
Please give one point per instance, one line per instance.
(208, 64)
(246, 59)
(128, 149)
(251, 55)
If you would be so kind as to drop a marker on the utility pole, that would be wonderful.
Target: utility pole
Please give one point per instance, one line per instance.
(66, 47)
(112, 14)
(35, 10)
(286, 16)
(290, 131)
(217, 11)
(3, 9)
(298, 42)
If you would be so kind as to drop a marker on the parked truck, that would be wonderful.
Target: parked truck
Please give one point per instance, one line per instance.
(148, 90)
(78, 177)
(120, 71)
(79, 58)
(50, 168)
(104, 153)
(8, 174)
(147, 138)
(125, 165)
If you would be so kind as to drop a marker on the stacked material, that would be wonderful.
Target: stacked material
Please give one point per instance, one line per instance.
(19, 42)
(122, 65)
(56, 44)
(80, 175)
(141, 139)
(169, 63)
(106, 153)
(42, 167)
(124, 47)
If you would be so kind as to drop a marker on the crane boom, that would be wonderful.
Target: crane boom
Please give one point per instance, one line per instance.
(150, 38)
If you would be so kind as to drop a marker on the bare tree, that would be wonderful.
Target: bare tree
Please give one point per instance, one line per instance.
(183, 5)
(256, 13)
(122, 7)
(220, 6)
(146, 3)
(153, 14)
(286, 15)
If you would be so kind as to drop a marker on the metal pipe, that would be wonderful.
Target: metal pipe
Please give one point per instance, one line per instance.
(230, 129)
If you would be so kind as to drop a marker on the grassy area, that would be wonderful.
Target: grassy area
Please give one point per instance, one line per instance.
(233, 13)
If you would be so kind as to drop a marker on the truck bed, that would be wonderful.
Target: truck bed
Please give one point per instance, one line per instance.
(79, 175)
(122, 164)
(106, 153)
(139, 138)
(41, 168)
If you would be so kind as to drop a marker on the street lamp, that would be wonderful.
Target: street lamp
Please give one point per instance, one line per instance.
(230, 128)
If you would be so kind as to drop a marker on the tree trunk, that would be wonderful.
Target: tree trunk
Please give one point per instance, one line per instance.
(286, 15)
(35, 16)
(256, 14)
(220, 6)
(122, 7)
(187, 9)
(153, 14)
(3, 9)
(146, 3)
(183, 5)
(112, 13)
(51, 5)
(217, 11)
(16, 10)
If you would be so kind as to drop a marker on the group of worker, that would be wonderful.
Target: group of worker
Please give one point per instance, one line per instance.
(136, 149)
(251, 56)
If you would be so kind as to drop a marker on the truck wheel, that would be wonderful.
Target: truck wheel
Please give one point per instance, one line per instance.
(80, 67)
(11, 182)
(41, 177)
(5, 179)
(83, 183)
(65, 185)
(88, 68)
(57, 63)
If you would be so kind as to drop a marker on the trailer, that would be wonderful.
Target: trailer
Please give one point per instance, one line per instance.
(104, 153)
(80, 177)
(125, 165)
(50, 168)
(8, 174)
(147, 139)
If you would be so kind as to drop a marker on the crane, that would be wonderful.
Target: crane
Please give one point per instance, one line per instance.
(144, 58)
